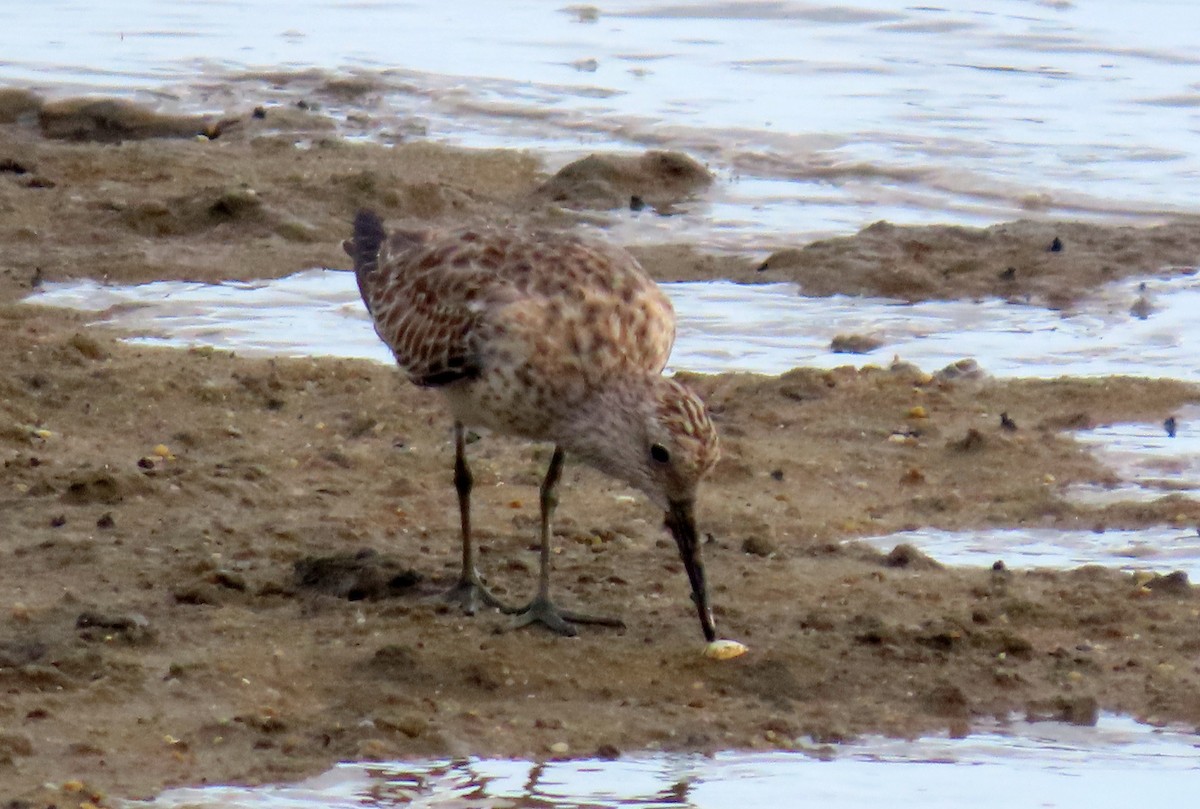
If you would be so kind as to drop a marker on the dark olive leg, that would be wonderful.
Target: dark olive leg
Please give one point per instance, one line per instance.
(541, 610)
(469, 592)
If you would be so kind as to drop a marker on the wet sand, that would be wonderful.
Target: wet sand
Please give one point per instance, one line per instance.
(221, 569)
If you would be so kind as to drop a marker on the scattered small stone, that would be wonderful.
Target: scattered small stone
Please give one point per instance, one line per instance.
(777, 474)
(236, 203)
(229, 580)
(1077, 710)
(872, 631)
(14, 745)
(264, 722)
(1007, 423)
(758, 546)
(603, 181)
(196, 596)
(947, 700)
(103, 486)
(58, 521)
(1012, 645)
(608, 752)
(87, 346)
(854, 344)
(410, 725)
(15, 654)
(636, 203)
(259, 113)
(132, 627)
(1142, 308)
(908, 556)
(583, 14)
(10, 166)
(1056, 246)
(394, 655)
(963, 369)
(106, 521)
(1009, 274)
(365, 574)
(971, 442)
(1170, 425)
(1175, 584)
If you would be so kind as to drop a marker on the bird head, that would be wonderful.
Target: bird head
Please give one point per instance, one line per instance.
(661, 441)
(679, 444)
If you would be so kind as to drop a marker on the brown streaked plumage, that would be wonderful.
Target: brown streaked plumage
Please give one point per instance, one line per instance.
(551, 337)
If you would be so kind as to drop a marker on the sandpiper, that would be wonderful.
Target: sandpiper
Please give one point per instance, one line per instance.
(551, 337)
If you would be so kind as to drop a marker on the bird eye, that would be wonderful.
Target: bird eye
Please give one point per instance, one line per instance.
(659, 453)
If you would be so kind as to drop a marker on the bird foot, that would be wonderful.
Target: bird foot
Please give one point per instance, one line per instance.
(542, 611)
(470, 594)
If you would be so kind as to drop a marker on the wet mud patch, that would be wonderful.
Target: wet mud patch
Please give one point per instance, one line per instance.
(107, 487)
(108, 120)
(355, 576)
(1049, 263)
(131, 627)
(199, 211)
(269, 463)
(16, 103)
(20, 652)
(655, 179)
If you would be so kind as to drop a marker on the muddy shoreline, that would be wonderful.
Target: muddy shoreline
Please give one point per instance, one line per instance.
(171, 614)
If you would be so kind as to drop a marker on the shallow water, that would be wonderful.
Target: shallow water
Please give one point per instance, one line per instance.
(1118, 763)
(1149, 463)
(723, 326)
(1160, 549)
(1151, 460)
(818, 118)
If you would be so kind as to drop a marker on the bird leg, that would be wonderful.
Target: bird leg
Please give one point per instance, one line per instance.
(541, 609)
(469, 592)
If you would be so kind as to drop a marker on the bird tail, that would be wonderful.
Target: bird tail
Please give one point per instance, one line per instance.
(363, 247)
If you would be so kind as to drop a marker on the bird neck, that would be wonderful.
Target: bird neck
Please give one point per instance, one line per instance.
(607, 429)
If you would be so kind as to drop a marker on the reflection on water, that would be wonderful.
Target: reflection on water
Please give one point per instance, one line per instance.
(1159, 549)
(1152, 460)
(1118, 763)
(821, 118)
(724, 326)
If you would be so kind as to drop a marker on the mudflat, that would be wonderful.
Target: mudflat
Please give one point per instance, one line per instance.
(216, 568)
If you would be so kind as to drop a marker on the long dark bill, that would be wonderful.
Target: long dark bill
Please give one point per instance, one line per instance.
(681, 520)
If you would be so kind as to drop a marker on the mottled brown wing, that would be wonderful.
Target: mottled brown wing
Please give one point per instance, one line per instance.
(587, 306)
(449, 306)
(422, 306)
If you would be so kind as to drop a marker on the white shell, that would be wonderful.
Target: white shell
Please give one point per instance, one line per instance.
(724, 650)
